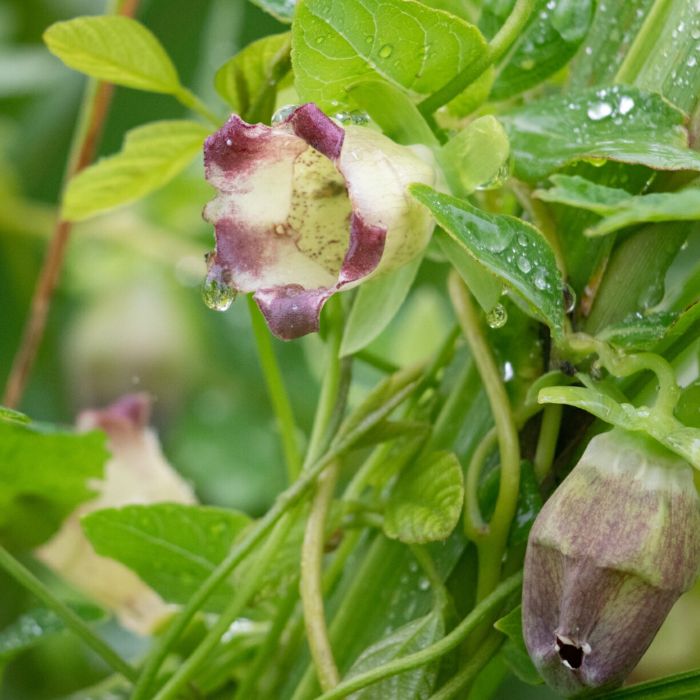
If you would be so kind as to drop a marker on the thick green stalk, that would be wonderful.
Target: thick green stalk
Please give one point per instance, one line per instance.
(25, 577)
(547, 441)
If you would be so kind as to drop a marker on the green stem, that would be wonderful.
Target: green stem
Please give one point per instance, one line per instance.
(277, 392)
(461, 681)
(426, 563)
(481, 613)
(311, 580)
(191, 101)
(25, 577)
(491, 553)
(498, 47)
(246, 544)
(243, 594)
(547, 441)
(474, 525)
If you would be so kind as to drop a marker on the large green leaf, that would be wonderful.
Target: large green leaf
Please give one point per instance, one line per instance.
(249, 80)
(117, 49)
(618, 123)
(411, 685)
(171, 546)
(35, 626)
(283, 10)
(618, 207)
(426, 503)
(44, 475)
(375, 306)
(514, 251)
(411, 46)
(151, 156)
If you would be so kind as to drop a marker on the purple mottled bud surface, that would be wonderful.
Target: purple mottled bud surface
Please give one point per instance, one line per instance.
(607, 557)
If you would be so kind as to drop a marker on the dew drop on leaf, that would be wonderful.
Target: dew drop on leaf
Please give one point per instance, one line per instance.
(497, 317)
(282, 113)
(524, 265)
(386, 51)
(540, 279)
(569, 299)
(599, 111)
(626, 104)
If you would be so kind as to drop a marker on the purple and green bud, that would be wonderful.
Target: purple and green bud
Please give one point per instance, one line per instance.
(609, 554)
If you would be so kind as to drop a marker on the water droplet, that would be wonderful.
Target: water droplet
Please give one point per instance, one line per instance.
(497, 317)
(522, 240)
(588, 50)
(423, 584)
(527, 63)
(355, 117)
(320, 39)
(540, 279)
(599, 111)
(217, 295)
(569, 299)
(626, 104)
(692, 61)
(695, 34)
(524, 264)
(386, 51)
(282, 114)
(500, 176)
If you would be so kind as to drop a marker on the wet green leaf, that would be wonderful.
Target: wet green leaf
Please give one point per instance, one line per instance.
(44, 476)
(413, 47)
(248, 82)
(426, 503)
(617, 123)
(152, 155)
(283, 10)
(172, 547)
(514, 251)
(119, 50)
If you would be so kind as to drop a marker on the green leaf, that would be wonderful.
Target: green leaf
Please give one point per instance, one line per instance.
(514, 251)
(639, 331)
(415, 48)
(35, 626)
(683, 686)
(151, 156)
(12, 415)
(476, 155)
(426, 502)
(116, 49)
(410, 685)
(618, 123)
(688, 408)
(172, 547)
(529, 505)
(376, 304)
(249, 81)
(514, 651)
(619, 208)
(550, 40)
(282, 10)
(44, 476)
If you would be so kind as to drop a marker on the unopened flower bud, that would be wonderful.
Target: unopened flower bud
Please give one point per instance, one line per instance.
(609, 554)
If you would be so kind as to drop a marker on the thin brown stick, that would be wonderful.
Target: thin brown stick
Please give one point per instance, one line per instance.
(94, 110)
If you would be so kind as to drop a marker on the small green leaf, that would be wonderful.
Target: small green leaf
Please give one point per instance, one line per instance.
(249, 81)
(514, 651)
(116, 49)
(688, 408)
(618, 123)
(619, 208)
(282, 10)
(410, 685)
(12, 415)
(151, 156)
(683, 686)
(413, 47)
(477, 154)
(639, 331)
(529, 505)
(514, 251)
(376, 304)
(426, 502)
(44, 476)
(35, 626)
(172, 547)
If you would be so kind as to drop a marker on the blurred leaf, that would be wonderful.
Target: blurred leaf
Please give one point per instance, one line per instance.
(410, 685)
(619, 123)
(477, 154)
(375, 305)
(249, 81)
(34, 626)
(688, 408)
(43, 477)
(27, 69)
(509, 248)
(683, 686)
(529, 505)
(116, 49)
(474, 96)
(639, 331)
(549, 41)
(426, 503)
(283, 10)
(12, 415)
(152, 155)
(514, 651)
(171, 547)
(619, 208)
(413, 47)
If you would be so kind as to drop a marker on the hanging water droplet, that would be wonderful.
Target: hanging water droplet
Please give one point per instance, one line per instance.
(599, 110)
(626, 104)
(355, 117)
(282, 114)
(692, 61)
(217, 295)
(497, 180)
(423, 584)
(524, 265)
(569, 298)
(386, 51)
(540, 279)
(497, 317)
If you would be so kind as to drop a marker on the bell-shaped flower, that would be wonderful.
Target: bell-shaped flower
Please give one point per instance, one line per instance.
(136, 473)
(306, 208)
